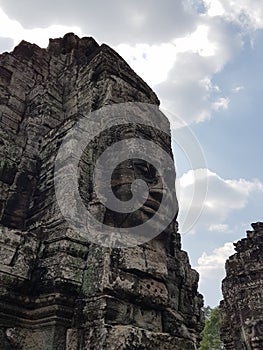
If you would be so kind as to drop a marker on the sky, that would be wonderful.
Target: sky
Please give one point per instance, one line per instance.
(203, 59)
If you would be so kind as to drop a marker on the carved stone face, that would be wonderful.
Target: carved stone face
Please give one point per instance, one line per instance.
(122, 179)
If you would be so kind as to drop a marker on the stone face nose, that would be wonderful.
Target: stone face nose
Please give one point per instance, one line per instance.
(58, 290)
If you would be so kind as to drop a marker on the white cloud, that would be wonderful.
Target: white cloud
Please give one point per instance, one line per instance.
(197, 42)
(40, 36)
(223, 197)
(237, 89)
(198, 56)
(220, 103)
(189, 91)
(9, 28)
(246, 13)
(207, 264)
(174, 48)
(14, 30)
(151, 62)
(182, 70)
(214, 8)
(218, 228)
(113, 22)
(211, 268)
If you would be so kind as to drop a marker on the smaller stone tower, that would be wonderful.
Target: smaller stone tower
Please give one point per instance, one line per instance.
(242, 307)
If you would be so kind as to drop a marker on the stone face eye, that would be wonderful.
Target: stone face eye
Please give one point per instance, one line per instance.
(145, 170)
(152, 171)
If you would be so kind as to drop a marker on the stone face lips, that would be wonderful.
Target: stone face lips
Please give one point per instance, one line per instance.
(58, 291)
(242, 307)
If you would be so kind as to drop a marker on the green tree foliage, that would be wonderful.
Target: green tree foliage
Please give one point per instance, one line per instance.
(211, 333)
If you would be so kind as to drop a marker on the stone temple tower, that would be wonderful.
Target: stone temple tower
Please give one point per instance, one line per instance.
(58, 289)
(242, 307)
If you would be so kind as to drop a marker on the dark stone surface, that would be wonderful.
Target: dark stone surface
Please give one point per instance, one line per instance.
(242, 307)
(57, 290)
